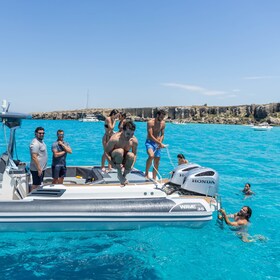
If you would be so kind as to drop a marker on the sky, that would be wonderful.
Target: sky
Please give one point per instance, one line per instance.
(66, 55)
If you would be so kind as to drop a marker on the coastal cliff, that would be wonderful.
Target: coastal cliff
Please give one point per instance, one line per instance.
(242, 114)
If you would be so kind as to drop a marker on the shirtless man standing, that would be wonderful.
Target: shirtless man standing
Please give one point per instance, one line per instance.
(109, 131)
(155, 130)
(118, 151)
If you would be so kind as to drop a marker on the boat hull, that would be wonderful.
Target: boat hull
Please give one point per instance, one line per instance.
(262, 128)
(124, 214)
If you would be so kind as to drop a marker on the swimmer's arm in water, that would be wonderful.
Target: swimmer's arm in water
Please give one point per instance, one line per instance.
(244, 238)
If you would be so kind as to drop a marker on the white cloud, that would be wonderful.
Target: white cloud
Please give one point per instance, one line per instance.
(258, 77)
(197, 89)
(186, 87)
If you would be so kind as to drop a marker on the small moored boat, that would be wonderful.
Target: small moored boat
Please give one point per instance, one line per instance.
(89, 118)
(262, 127)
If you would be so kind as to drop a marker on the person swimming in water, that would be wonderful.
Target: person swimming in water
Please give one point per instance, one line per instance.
(247, 189)
(240, 221)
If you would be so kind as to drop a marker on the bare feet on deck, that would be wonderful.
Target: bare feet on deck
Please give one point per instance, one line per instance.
(124, 183)
(122, 179)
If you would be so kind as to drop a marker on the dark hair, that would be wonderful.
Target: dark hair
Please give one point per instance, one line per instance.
(161, 112)
(249, 213)
(123, 114)
(248, 185)
(59, 131)
(114, 112)
(39, 128)
(181, 156)
(129, 125)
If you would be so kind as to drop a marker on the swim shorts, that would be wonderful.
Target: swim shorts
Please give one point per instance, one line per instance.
(58, 171)
(150, 144)
(36, 179)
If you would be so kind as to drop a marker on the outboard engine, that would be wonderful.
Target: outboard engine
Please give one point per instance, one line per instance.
(203, 181)
(193, 179)
(182, 171)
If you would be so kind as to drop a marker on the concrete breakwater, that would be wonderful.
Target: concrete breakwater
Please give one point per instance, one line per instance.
(242, 114)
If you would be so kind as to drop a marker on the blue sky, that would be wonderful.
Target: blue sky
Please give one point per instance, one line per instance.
(138, 53)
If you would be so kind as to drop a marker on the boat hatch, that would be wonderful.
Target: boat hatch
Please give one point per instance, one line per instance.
(47, 192)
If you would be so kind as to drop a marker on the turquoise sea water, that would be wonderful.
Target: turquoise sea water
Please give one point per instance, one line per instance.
(238, 153)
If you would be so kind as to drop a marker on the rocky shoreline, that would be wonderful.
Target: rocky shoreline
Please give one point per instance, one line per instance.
(243, 114)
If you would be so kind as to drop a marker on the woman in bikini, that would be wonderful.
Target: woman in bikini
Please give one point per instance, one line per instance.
(109, 131)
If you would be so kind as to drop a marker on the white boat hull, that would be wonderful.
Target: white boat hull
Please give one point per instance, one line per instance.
(262, 127)
(113, 214)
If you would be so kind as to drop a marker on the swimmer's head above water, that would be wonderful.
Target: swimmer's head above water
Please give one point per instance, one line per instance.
(245, 212)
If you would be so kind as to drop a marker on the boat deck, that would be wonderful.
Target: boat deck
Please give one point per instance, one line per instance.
(95, 176)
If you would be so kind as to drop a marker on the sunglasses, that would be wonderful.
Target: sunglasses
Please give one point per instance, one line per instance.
(60, 134)
(41, 133)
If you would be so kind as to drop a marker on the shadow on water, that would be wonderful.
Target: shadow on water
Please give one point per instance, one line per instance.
(75, 255)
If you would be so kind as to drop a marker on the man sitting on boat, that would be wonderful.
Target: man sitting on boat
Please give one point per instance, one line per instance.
(118, 152)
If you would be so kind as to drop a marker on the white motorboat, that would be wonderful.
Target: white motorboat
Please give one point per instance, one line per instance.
(90, 199)
(262, 127)
(89, 118)
(179, 122)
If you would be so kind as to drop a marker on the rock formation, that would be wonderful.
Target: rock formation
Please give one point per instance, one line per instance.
(242, 114)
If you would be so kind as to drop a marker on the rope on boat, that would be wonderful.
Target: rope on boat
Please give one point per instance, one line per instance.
(169, 157)
(168, 154)
(158, 174)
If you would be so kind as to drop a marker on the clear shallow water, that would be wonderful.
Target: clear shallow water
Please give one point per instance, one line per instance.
(238, 153)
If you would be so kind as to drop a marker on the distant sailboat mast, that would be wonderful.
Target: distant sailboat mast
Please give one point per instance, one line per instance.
(87, 99)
